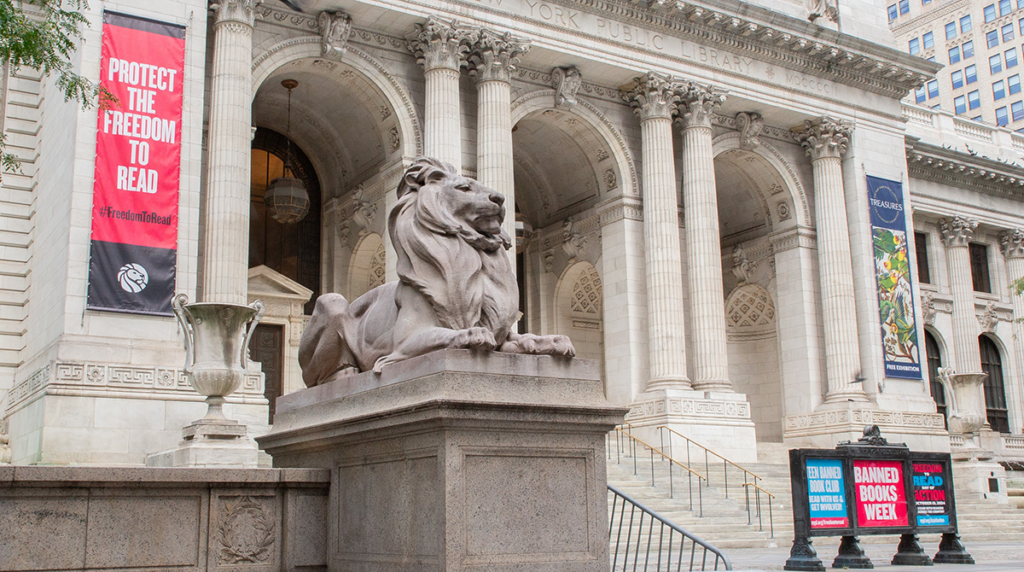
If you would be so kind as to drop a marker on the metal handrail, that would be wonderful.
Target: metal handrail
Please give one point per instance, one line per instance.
(757, 499)
(706, 450)
(655, 540)
(633, 441)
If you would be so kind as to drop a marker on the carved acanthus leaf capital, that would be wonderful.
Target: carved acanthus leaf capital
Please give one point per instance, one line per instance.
(239, 11)
(1012, 243)
(442, 45)
(653, 96)
(566, 81)
(824, 137)
(334, 31)
(493, 57)
(697, 103)
(957, 231)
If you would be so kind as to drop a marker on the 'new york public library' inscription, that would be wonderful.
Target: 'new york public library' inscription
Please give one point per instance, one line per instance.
(616, 31)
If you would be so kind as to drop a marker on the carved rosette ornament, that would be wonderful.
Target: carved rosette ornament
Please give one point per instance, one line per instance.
(567, 82)
(750, 126)
(236, 11)
(1012, 243)
(697, 104)
(493, 57)
(957, 231)
(334, 30)
(824, 137)
(442, 45)
(652, 96)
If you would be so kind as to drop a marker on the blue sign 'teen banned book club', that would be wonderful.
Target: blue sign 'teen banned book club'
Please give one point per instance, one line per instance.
(894, 280)
(825, 493)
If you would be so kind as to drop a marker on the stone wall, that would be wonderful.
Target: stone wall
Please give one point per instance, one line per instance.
(154, 519)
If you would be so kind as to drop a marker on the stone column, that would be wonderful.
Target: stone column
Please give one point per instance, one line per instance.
(957, 233)
(653, 98)
(226, 262)
(441, 48)
(492, 61)
(825, 141)
(1012, 245)
(703, 242)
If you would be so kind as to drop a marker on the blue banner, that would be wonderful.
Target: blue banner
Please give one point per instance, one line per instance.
(826, 496)
(895, 282)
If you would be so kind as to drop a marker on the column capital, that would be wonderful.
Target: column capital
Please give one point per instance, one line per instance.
(653, 96)
(493, 57)
(697, 103)
(442, 45)
(957, 231)
(1012, 243)
(824, 137)
(236, 11)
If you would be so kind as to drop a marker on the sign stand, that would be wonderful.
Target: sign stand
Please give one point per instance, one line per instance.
(872, 487)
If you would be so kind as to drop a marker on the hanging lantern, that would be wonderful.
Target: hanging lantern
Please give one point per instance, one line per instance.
(286, 198)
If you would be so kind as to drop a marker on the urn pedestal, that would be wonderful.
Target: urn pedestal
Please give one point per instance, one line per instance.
(216, 363)
(458, 460)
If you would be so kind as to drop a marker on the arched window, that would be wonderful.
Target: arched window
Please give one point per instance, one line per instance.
(995, 396)
(291, 249)
(934, 363)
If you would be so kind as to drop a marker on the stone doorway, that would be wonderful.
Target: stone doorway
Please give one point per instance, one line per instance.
(267, 347)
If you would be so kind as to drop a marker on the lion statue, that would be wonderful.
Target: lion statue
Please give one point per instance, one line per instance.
(456, 288)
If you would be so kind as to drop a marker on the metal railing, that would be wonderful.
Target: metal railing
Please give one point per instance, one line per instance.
(757, 506)
(626, 444)
(637, 533)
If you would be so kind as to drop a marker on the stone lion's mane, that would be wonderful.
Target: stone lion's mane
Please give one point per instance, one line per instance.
(429, 239)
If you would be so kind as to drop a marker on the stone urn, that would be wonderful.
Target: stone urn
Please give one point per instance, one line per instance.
(967, 401)
(216, 342)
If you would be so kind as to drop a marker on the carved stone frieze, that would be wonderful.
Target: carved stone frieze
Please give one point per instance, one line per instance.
(855, 420)
(683, 407)
(750, 126)
(236, 11)
(824, 137)
(697, 103)
(1011, 243)
(566, 81)
(334, 28)
(442, 45)
(89, 378)
(631, 209)
(653, 96)
(957, 231)
(493, 57)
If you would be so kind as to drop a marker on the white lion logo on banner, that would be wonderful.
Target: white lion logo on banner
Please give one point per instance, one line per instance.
(133, 278)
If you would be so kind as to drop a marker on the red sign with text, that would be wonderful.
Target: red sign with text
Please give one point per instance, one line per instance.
(880, 493)
(138, 163)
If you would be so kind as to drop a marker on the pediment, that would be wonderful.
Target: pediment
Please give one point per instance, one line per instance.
(265, 283)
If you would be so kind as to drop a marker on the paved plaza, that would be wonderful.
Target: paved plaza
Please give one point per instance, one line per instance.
(988, 556)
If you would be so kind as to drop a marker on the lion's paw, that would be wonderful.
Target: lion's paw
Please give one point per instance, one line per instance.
(475, 339)
(378, 366)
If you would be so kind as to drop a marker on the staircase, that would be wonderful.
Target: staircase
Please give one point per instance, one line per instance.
(725, 520)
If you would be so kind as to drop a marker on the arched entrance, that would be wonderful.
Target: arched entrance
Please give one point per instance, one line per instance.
(758, 204)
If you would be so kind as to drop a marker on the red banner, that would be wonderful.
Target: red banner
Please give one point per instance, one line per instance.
(880, 493)
(138, 163)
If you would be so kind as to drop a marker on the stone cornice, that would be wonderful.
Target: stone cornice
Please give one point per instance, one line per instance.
(740, 28)
(773, 37)
(949, 167)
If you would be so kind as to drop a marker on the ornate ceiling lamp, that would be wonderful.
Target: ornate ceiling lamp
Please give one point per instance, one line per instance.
(286, 197)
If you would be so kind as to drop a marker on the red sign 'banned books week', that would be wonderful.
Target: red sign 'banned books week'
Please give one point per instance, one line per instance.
(138, 163)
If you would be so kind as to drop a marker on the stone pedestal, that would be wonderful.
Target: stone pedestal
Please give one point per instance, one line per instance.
(458, 460)
(719, 421)
(973, 471)
(210, 443)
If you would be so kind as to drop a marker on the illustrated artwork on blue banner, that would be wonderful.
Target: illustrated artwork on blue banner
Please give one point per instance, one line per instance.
(895, 285)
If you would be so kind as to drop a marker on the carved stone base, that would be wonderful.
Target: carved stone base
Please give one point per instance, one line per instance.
(239, 452)
(952, 551)
(717, 420)
(910, 552)
(833, 423)
(851, 555)
(974, 474)
(803, 557)
(458, 461)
